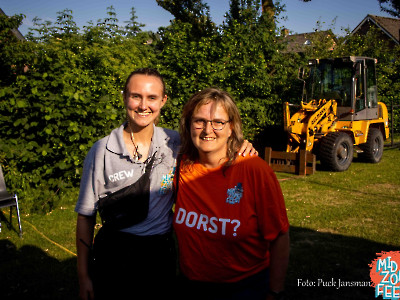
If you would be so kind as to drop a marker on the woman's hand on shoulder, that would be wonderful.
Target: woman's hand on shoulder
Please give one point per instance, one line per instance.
(247, 149)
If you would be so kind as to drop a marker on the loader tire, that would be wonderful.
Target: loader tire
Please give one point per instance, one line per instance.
(336, 151)
(373, 148)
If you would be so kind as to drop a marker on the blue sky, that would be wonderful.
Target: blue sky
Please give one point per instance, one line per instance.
(300, 16)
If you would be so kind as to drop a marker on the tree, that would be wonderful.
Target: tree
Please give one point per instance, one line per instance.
(187, 63)
(132, 27)
(193, 12)
(65, 24)
(393, 7)
(242, 12)
(7, 37)
(252, 65)
(241, 57)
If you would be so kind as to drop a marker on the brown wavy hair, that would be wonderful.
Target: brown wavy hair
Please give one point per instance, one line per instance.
(201, 98)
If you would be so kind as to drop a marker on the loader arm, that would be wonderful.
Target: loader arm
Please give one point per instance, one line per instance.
(308, 123)
(320, 122)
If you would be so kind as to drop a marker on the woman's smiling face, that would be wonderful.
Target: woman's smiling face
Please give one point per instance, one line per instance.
(143, 100)
(207, 140)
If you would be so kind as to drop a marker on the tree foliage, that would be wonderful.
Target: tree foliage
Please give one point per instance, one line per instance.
(193, 12)
(241, 56)
(67, 96)
(392, 7)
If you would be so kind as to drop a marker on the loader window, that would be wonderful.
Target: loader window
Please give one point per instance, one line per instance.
(371, 85)
(330, 80)
(359, 87)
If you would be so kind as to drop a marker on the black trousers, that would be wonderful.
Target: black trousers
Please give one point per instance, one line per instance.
(254, 287)
(133, 267)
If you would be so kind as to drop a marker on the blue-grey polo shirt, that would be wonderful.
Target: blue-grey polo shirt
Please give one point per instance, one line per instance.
(108, 167)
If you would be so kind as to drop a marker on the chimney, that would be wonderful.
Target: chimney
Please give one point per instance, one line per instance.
(268, 7)
(285, 32)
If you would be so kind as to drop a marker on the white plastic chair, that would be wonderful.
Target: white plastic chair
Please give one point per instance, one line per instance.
(9, 200)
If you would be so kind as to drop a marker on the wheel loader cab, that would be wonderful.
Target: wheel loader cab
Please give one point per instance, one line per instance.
(365, 90)
(351, 82)
(329, 79)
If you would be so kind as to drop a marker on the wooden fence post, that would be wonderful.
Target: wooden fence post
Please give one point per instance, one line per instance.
(301, 163)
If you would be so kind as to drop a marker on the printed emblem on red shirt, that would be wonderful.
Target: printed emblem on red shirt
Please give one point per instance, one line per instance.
(235, 194)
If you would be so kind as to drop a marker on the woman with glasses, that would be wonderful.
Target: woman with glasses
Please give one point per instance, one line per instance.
(127, 178)
(230, 217)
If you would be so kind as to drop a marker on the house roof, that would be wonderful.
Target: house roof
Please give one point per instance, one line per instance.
(15, 31)
(389, 26)
(298, 42)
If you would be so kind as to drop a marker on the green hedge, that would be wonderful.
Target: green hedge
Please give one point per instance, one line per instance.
(60, 96)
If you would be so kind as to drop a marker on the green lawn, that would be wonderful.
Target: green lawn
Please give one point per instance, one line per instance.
(339, 222)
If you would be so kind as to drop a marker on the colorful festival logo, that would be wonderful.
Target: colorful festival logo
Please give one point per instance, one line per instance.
(385, 275)
(235, 194)
(167, 181)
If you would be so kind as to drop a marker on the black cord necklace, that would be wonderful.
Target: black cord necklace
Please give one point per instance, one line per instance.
(136, 155)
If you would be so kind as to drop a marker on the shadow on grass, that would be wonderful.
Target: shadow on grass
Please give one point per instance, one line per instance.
(30, 273)
(319, 260)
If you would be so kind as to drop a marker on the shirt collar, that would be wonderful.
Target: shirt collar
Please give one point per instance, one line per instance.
(116, 142)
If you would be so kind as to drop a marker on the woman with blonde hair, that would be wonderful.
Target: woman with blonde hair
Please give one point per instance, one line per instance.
(230, 217)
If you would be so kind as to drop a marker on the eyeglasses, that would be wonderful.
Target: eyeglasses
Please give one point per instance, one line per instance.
(215, 124)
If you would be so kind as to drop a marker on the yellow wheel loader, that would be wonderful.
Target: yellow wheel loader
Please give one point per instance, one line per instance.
(339, 113)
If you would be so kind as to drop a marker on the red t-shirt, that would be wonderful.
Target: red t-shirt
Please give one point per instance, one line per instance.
(224, 222)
